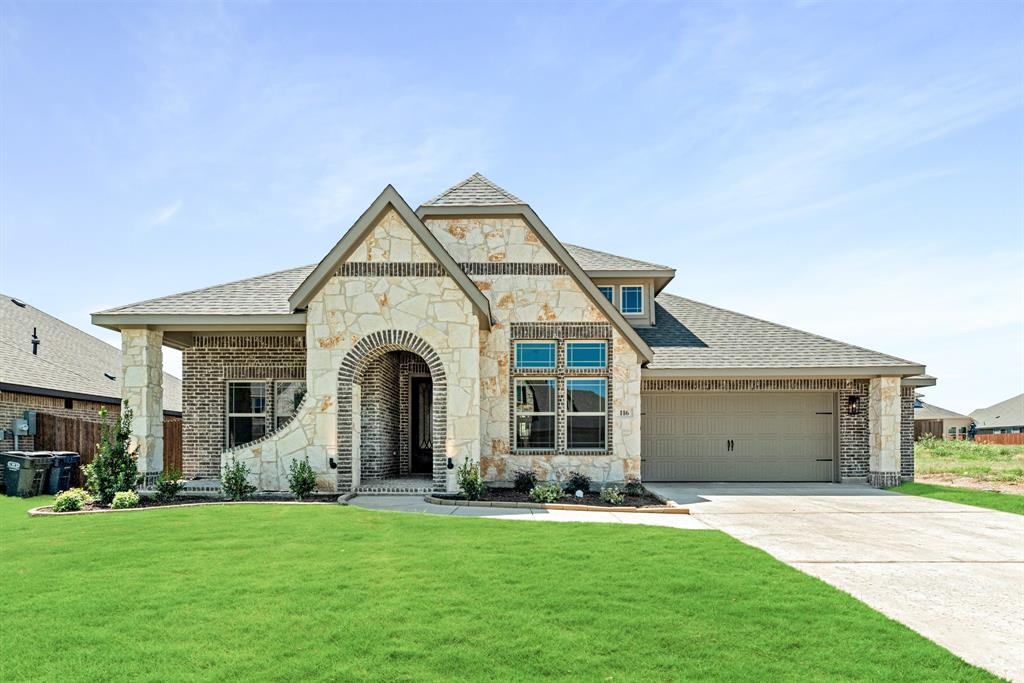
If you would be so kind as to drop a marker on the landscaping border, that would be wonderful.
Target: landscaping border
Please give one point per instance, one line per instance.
(670, 508)
(47, 510)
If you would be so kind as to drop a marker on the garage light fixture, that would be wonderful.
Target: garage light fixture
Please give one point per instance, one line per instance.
(853, 405)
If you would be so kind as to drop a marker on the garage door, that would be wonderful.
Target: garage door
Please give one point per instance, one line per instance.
(737, 437)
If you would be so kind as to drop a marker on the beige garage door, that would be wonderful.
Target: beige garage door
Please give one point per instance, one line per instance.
(738, 437)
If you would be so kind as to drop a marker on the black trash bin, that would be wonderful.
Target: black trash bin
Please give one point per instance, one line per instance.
(25, 473)
(62, 471)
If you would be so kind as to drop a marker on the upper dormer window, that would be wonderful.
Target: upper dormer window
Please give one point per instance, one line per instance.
(632, 299)
(608, 291)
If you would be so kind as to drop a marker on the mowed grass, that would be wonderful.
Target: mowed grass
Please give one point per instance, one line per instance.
(1006, 502)
(979, 461)
(332, 593)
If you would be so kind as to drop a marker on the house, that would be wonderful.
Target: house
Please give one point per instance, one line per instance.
(465, 331)
(938, 422)
(52, 368)
(1005, 417)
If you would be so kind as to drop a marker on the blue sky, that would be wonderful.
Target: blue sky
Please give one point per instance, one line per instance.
(856, 170)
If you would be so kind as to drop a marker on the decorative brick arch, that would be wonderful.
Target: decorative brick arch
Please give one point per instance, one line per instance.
(352, 369)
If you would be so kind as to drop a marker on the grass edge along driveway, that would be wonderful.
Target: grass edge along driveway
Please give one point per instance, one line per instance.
(993, 500)
(339, 593)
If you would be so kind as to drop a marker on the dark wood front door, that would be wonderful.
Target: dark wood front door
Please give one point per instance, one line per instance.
(422, 447)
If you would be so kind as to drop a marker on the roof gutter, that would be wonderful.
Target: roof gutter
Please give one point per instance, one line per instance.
(189, 322)
(849, 372)
(95, 398)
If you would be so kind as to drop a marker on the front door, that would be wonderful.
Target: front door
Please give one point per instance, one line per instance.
(422, 447)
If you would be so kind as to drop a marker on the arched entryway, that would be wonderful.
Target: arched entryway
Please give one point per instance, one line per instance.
(392, 412)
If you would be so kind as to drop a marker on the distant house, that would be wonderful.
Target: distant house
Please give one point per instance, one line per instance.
(1006, 417)
(939, 422)
(53, 368)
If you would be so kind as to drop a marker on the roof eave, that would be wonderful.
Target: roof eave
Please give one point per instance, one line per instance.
(189, 322)
(823, 372)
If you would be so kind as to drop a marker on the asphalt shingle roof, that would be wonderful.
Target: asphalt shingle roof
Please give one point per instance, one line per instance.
(591, 259)
(693, 335)
(260, 295)
(929, 412)
(475, 190)
(1008, 413)
(68, 360)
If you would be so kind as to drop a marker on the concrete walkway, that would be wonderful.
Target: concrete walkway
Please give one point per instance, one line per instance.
(953, 573)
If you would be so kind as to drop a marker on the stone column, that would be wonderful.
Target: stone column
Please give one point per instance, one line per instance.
(142, 377)
(884, 431)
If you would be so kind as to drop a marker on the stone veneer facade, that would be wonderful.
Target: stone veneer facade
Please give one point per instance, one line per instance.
(142, 388)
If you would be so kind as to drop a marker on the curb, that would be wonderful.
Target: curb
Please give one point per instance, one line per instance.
(670, 507)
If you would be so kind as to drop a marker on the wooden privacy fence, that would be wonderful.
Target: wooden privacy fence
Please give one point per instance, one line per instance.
(57, 433)
(1002, 439)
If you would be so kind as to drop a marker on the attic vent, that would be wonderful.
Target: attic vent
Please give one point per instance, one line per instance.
(109, 376)
(19, 303)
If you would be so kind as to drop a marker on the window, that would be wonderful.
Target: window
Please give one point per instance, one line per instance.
(535, 413)
(608, 291)
(247, 408)
(287, 397)
(580, 354)
(533, 354)
(586, 413)
(632, 298)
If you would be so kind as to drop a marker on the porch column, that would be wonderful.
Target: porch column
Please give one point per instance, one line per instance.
(884, 433)
(142, 378)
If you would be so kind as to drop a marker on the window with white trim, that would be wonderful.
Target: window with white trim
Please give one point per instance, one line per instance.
(586, 354)
(586, 413)
(632, 299)
(536, 354)
(535, 414)
(247, 412)
(608, 291)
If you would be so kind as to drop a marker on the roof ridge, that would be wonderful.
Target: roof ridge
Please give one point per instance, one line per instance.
(503, 194)
(202, 289)
(786, 327)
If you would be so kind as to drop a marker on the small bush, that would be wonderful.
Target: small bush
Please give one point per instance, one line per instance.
(633, 486)
(524, 480)
(545, 493)
(577, 482)
(234, 480)
(71, 500)
(125, 499)
(611, 495)
(115, 467)
(470, 482)
(168, 485)
(301, 478)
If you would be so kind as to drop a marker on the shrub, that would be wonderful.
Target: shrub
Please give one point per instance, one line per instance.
(234, 480)
(115, 467)
(577, 482)
(633, 486)
(125, 499)
(470, 482)
(168, 485)
(71, 500)
(301, 478)
(545, 493)
(524, 480)
(611, 495)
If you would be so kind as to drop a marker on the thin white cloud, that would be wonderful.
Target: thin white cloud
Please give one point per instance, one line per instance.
(164, 215)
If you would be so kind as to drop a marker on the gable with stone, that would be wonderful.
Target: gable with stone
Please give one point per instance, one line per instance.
(465, 331)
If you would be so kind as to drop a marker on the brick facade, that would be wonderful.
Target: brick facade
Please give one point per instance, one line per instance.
(907, 434)
(379, 418)
(207, 366)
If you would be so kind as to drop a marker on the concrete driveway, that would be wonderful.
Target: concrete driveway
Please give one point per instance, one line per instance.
(953, 573)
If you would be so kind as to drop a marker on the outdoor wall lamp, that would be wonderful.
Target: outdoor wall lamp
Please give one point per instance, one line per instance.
(450, 464)
(853, 405)
(333, 464)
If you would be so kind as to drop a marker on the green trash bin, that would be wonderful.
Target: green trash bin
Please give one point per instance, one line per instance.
(25, 473)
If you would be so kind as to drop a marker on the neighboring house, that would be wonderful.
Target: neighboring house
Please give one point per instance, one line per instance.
(50, 367)
(1006, 417)
(938, 422)
(465, 331)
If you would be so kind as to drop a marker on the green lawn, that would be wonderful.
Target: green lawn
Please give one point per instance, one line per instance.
(268, 592)
(1007, 502)
(982, 462)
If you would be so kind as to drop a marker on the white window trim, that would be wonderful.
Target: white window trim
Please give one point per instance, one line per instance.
(534, 342)
(553, 413)
(228, 414)
(570, 342)
(643, 297)
(569, 412)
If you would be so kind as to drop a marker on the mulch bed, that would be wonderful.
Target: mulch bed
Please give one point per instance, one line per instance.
(147, 502)
(504, 495)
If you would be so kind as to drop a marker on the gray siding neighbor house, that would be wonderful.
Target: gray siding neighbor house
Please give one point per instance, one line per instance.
(464, 330)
